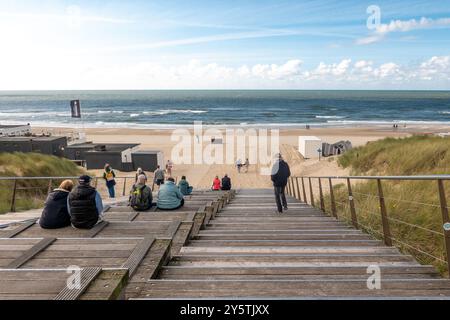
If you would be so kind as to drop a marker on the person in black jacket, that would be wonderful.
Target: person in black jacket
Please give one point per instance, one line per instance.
(85, 205)
(226, 182)
(279, 177)
(55, 214)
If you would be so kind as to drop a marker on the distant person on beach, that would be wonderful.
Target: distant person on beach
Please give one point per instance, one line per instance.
(226, 182)
(85, 205)
(279, 177)
(169, 167)
(239, 165)
(216, 184)
(159, 176)
(169, 196)
(184, 186)
(139, 171)
(246, 165)
(141, 195)
(109, 175)
(55, 214)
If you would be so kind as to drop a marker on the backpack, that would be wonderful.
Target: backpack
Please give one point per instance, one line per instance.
(136, 197)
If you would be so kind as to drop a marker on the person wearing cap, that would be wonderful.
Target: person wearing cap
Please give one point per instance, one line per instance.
(84, 204)
(279, 176)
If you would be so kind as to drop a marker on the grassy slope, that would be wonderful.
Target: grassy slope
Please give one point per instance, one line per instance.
(29, 165)
(414, 202)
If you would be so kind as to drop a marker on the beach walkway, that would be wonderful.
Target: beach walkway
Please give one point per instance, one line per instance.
(250, 251)
(219, 245)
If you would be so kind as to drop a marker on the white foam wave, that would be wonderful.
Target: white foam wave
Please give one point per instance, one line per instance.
(330, 117)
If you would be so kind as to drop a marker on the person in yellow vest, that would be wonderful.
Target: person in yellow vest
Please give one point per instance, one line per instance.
(109, 176)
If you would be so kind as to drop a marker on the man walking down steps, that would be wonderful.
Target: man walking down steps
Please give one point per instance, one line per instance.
(279, 177)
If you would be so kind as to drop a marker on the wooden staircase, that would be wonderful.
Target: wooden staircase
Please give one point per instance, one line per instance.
(250, 251)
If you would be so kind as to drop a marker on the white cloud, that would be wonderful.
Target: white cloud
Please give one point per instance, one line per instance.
(68, 73)
(403, 26)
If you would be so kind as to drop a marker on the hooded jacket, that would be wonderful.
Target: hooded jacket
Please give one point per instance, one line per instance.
(55, 214)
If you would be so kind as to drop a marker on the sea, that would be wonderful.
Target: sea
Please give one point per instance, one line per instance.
(227, 108)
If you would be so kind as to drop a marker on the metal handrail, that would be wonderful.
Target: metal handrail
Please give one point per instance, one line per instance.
(424, 177)
(295, 183)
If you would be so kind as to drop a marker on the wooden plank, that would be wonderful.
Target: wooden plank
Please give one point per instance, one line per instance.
(29, 254)
(138, 254)
(96, 229)
(20, 228)
(173, 228)
(108, 285)
(87, 276)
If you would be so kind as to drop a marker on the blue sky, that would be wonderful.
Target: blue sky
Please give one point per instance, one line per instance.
(252, 44)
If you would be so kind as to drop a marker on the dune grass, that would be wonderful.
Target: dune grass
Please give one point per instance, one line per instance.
(413, 207)
(30, 165)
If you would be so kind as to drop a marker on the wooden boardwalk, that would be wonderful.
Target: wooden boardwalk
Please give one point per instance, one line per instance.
(219, 245)
(114, 257)
(250, 251)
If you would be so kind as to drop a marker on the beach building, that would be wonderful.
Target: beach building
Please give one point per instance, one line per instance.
(331, 149)
(15, 130)
(309, 146)
(118, 155)
(41, 144)
(147, 160)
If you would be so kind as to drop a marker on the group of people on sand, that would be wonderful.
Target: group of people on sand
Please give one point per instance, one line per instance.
(240, 165)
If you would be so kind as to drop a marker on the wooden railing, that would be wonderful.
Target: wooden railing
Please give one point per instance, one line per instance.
(49, 183)
(298, 186)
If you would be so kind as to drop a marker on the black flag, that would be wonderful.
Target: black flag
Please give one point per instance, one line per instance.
(75, 108)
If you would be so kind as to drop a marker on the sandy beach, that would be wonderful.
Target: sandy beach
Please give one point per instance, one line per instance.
(201, 175)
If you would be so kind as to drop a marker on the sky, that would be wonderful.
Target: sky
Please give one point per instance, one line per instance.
(247, 44)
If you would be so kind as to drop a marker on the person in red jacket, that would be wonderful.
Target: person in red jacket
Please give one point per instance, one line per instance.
(216, 184)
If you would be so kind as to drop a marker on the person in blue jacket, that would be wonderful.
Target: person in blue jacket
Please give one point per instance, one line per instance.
(169, 196)
(184, 186)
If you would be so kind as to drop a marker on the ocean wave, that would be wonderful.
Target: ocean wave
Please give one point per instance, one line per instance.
(169, 126)
(164, 112)
(134, 115)
(444, 112)
(330, 117)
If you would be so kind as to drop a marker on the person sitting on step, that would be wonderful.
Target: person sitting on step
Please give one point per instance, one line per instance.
(55, 214)
(216, 184)
(169, 196)
(226, 182)
(141, 195)
(184, 186)
(85, 205)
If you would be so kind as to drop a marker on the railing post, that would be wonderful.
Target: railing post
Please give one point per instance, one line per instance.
(287, 187)
(304, 191)
(332, 202)
(311, 192)
(445, 219)
(298, 190)
(292, 187)
(384, 219)
(351, 202)
(322, 204)
(124, 185)
(13, 198)
(49, 187)
(96, 182)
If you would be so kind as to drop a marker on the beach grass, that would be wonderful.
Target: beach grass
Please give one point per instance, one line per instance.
(31, 165)
(413, 207)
